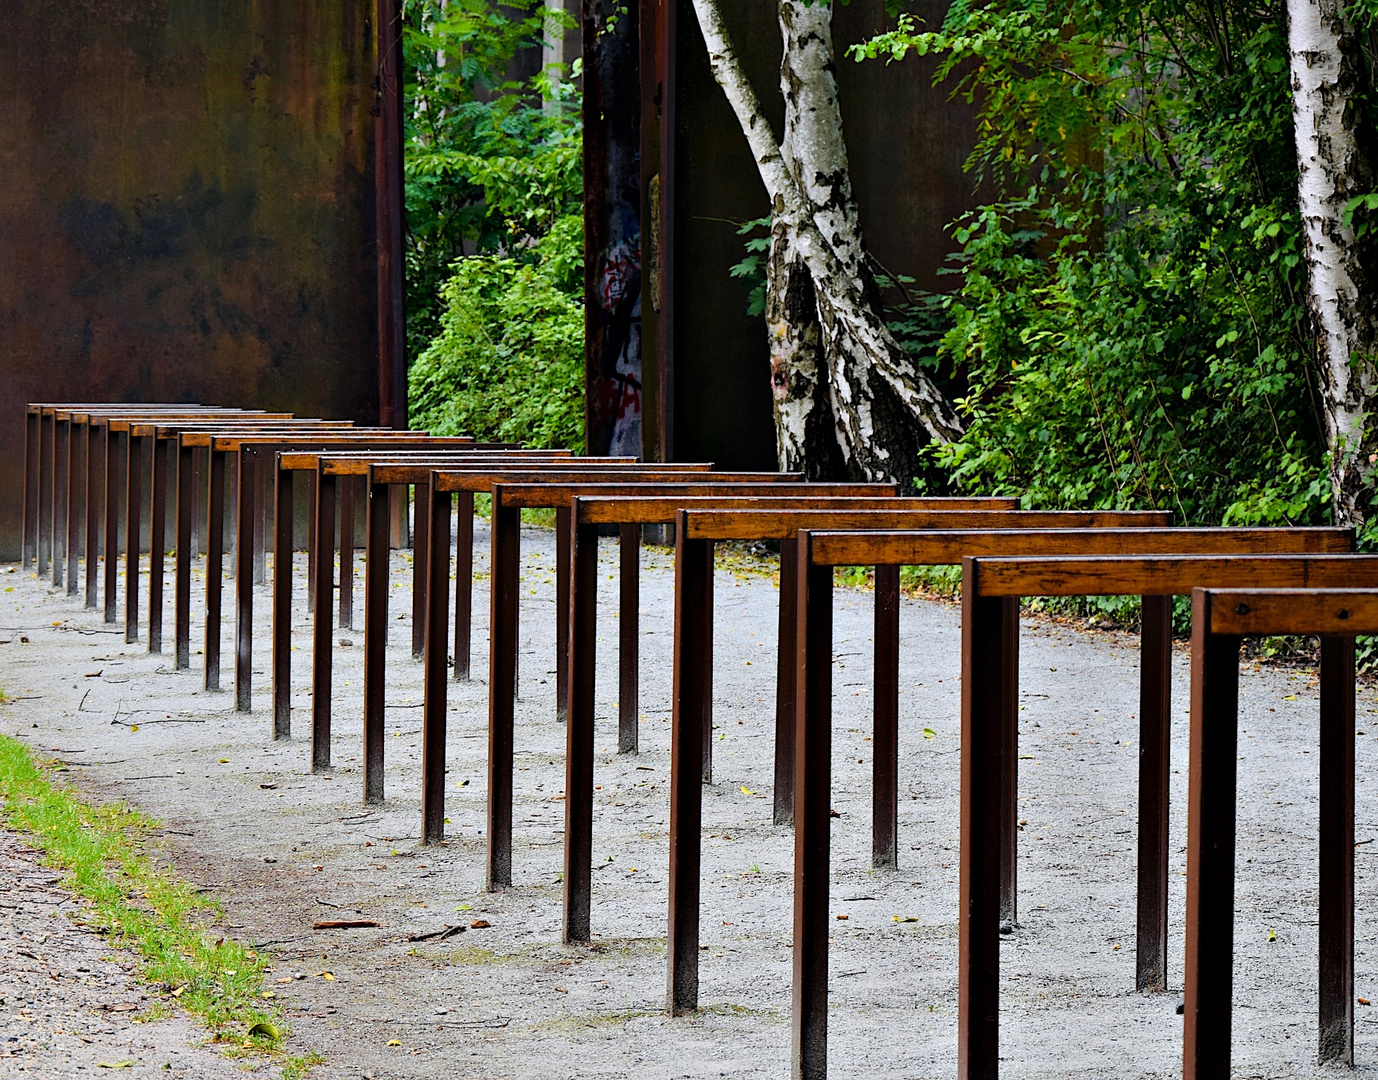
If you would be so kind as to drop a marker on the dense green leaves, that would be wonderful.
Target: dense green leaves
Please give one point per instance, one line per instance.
(494, 186)
(1131, 310)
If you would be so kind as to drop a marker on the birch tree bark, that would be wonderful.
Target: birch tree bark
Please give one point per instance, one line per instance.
(843, 357)
(1336, 162)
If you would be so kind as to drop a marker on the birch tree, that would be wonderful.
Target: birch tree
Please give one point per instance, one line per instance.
(847, 396)
(1331, 78)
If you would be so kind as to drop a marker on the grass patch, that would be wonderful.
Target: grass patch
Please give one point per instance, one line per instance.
(103, 851)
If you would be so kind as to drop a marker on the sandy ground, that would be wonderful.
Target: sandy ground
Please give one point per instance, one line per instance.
(245, 817)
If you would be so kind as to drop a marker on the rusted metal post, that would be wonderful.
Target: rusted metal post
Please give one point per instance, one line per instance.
(812, 812)
(978, 919)
(71, 509)
(94, 475)
(464, 584)
(323, 656)
(1009, 765)
(376, 555)
(312, 494)
(502, 678)
(215, 560)
(112, 524)
(784, 683)
(628, 640)
(693, 602)
(706, 645)
(1337, 850)
(1155, 763)
(562, 549)
(391, 217)
(1208, 979)
(59, 483)
(29, 542)
(437, 677)
(347, 485)
(133, 528)
(283, 514)
(181, 589)
(420, 561)
(45, 491)
(244, 584)
(157, 543)
(579, 735)
(885, 742)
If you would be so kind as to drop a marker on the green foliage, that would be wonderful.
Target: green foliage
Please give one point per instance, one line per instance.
(509, 359)
(493, 164)
(1131, 310)
(101, 850)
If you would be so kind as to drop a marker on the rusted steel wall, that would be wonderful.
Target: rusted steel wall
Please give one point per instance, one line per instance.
(188, 209)
(706, 366)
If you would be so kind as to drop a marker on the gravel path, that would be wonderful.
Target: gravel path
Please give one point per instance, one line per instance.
(286, 848)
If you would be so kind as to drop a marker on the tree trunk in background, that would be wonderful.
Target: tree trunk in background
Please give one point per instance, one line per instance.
(1336, 162)
(836, 352)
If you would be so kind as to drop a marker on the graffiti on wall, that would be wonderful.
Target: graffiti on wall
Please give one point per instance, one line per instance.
(612, 170)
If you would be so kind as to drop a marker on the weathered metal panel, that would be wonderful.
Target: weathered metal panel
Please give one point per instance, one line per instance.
(188, 209)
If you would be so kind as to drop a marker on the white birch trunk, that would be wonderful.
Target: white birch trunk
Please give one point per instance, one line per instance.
(869, 377)
(1327, 70)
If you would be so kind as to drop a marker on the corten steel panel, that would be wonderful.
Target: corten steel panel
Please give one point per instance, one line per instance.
(907, 144)
(188, 210)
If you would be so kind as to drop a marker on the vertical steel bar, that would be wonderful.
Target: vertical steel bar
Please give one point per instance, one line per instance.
(705, 643)
(693, 602)
(563, 542)
(312, 494)
(420, 561)
(1155, 763)
(45, 493)
(262, 493)
(72, 544)
(1337, 851)
(157, 543)
(376, 555)
(629, 641)
(247, 490)
(784, 682)
(186, 521)
(94, 476)
(347, 486)
(812, 813)
(583, 639)
(322, 654)
(1209, 976)
(502, 677)
(464, 584)
(60, 476)
(133, 531)
(1009, 765)
(284, 514)
(215, 564)
(885, 742)
(112, 524)
(29, 541)
(437, 677)
(978, 919)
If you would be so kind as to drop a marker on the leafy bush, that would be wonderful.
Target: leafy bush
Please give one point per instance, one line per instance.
(508, 363)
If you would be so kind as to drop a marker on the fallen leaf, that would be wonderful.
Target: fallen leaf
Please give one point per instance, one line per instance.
(1290, 697)
(114, 1064)
(905, 918)
(842, 918)
(1272, 935)
(1365, 1001)
(480, 924)
(394, 1042)
(266, 1030)
(224, 761)
(133, 727)
(929, 733)
(325, 975)
(747, 791)
(179, 991)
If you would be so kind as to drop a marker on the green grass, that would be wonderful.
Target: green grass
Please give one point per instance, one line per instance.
(104, 851)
